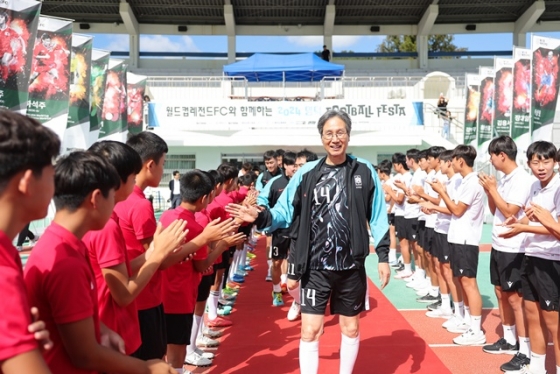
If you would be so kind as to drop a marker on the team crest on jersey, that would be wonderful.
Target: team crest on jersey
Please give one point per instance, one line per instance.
(358, 181)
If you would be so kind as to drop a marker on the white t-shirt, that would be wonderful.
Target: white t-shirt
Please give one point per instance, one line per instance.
(418, 178)
(431, 218)
(406, 178)
(467, 229)
(176, 187)
(544, 246)
(430, 176)
(443, 220)
(514, 188)
(389, 182)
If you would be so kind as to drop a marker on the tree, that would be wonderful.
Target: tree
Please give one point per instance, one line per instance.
(407, 43)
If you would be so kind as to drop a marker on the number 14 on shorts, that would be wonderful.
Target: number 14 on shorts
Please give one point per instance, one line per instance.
(307, 295)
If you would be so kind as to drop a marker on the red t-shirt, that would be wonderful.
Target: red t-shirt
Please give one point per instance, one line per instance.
(203, 219)
(137, 222)
(239, 195)
(61, 284)
(16, 314)
(106, 249)
(180, 281)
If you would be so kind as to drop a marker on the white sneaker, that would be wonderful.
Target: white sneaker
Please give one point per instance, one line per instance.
(294, 311)
(470, 338)
(413, 283)
(208, 355)
(424, 283)
(423, 291)
(524, 370)
(205, 341)
(406, 276)
(455, 325)
(212, 334)
(411, 278)
(439, 313)
(195, 359)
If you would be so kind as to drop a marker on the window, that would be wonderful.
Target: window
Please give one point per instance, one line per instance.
(183, 163)
(384, 156)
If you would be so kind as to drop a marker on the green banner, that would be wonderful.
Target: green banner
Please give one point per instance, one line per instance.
(115, 121)
(136, 87)
(471, 108)
(521, 103)
(503, 94)
(18, 27)
(99, 67)
(486, 106)
(49, 82)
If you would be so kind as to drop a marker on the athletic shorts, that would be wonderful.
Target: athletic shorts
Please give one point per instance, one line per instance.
(411, 229)
(429, 239)
(153, 334)
(441, 248)
(400, 230)
(391, 218)
(464, 260)
(421, 233)
(505, 270)
(345, 289)
(226, 256)
(280, 245)
(179, 328)
(540, 282)
(206, 282)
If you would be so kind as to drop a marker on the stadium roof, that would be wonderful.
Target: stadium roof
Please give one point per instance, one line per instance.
(298, 12)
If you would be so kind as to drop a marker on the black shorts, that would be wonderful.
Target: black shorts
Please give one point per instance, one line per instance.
(206, 282)
(421, 233)
(245, 230)
(540, 282)
(345, 289)
(400, 230)
(411, 229)
(179, 328)
(464, 260)
(391, 218)
(441, 248)
(280, 245)
(226, 256)
(429, 240)
(505, 270)
(153, 334)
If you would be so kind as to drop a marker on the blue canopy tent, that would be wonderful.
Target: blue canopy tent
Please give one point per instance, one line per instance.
(300, 67)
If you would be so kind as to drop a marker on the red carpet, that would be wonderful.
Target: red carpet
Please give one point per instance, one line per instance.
(262, 340)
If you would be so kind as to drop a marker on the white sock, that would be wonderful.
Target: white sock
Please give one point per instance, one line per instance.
(459, 309)
(429, 280)
(537, 363)
(283, 278)
(525, 346)
(276, 288)
(213, 305)
(510, 334)
(194, 333)
(557, 369)
(243, 257)
(467, 316)
(408, 268)
(392, 254)
(434, 291)
(295, 294)
(445, 303)
(476, 322)
(308, 357)
(420, 274)
(349, 348)
(236, 262)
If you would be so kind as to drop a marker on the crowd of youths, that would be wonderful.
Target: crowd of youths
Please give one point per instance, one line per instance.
(107, 288)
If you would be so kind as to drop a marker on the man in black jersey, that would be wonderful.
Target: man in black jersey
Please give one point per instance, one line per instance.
(272, 169)
(328, 204)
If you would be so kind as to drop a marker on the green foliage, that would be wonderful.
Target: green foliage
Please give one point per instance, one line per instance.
(407, 43)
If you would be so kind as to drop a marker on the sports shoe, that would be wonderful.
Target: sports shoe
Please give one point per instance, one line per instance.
(277, 299)
(19, 248)
(248, 268)
(516, 363)
(422, 285)
(268, 278)
(205, 341)
(394, 264)
(423, 291)
(208, 355)
(470, 338)
(294, 312)
(225, 302)
(195, 359)
(501, 347)
(284, 288)
(428, 299)
(229, 296)
(411, 278)
(435, 305)
(238, 278)
(251, 255)
(400, 267)
(212, 334)
(524, 370)
(229, 291)
(240, 272)
(233, 286)
(456, 325)
(439, 313)
(413, 283)
(219, 322)
(223, 311)
(403, 275)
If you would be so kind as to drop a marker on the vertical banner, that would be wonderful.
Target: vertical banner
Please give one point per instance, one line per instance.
(472, 96)
(503, 95)
(485, 111)
(115, 121)
(136, 87)
(49, 82)
(521, 104)
(19, 20)
(544, 86)
(99, 67)
(77, 130)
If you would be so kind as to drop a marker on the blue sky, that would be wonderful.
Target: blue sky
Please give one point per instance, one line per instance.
(159, 43)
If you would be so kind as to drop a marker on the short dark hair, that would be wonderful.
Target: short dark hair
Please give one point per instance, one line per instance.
(124, 159)
(399, 159)
(385, 166)
(228, 171)
(280, 152)
(334, 113)
(247, 166)
(543, 150)
(309, 156)
(414, 154)
(194, 185)
(25, 144)
(466, 152)
(289, 158)
(270, 154)
(435, 151)
(246, 179)
(149, 146)
(503, 144)
(218, 178)
(80, 173)
(423, 154)
(446, 155)
(175, 172)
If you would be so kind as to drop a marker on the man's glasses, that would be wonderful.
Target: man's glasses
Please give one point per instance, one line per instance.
(339, 135)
